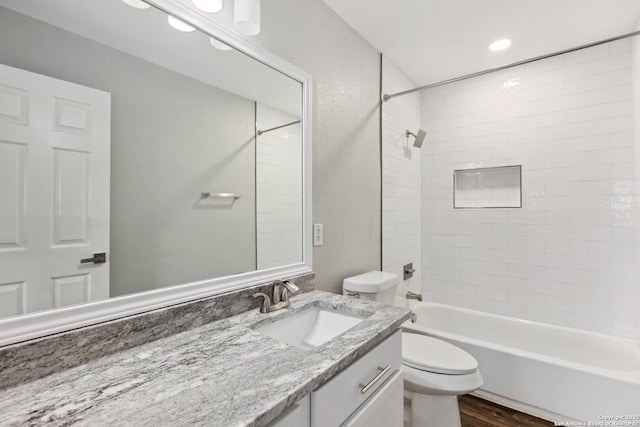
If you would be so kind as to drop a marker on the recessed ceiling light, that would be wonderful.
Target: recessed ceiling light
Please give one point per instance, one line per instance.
(179, 25)
(209, 6)
(498, 45)
(138, 4)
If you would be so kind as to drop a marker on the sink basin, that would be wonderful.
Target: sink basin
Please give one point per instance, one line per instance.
(310, 328)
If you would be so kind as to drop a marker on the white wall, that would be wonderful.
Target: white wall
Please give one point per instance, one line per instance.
(400, 180)
(278, 189)
(567, 257)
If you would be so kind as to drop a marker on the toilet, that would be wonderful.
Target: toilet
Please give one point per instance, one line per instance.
(435, 372)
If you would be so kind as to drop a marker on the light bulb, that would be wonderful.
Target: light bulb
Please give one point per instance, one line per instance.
(209, 6)
(138, 4)
(218, 44)
(179, 25)
(246, 16)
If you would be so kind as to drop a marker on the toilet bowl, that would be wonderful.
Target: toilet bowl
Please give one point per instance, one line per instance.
(435, 372)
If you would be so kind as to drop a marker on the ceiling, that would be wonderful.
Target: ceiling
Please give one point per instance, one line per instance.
(434, 40)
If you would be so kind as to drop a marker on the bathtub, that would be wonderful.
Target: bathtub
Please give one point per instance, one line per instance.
(554, 372)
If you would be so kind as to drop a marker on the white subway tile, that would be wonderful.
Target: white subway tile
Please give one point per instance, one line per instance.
(620, 46)
(588, 173)
(584, 55)
(610, 63)
(546, 315)
(570, 72)
(606, 95)
(492, 294)
(543, 92)
(508, 309)
(567, 256)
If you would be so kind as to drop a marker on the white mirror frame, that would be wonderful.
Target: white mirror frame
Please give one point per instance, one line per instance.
(40, 324)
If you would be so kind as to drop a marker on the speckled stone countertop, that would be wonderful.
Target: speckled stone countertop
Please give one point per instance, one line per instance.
(220, 374)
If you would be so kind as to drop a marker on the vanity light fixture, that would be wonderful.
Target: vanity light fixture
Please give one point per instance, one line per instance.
(179, 25)
(246, 16)
(218, 44)
(209, 6)
(499, 45)
(138, 4)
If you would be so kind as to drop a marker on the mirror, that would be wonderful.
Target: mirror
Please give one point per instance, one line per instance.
(135, 157)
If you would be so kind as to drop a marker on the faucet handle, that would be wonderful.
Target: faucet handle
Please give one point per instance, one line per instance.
(266, 302)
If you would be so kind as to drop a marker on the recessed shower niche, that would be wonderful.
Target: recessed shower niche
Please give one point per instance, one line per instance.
(494, 187)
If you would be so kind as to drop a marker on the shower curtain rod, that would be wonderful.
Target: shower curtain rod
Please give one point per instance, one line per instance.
(387, 97)
(260, 132)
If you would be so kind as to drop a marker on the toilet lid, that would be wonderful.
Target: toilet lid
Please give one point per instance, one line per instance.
(434, 355)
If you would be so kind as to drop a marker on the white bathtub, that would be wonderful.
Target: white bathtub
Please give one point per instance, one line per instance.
(551, 371)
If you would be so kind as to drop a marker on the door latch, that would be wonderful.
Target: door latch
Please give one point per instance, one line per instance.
(100, 258)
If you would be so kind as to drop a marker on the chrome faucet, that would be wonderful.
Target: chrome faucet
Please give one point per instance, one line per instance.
(413, 295)
(281, 291)
(280, 298)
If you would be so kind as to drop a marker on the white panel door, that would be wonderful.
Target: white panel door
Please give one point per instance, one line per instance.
(54, 192)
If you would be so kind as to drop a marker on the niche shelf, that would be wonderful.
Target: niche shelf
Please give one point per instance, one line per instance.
(494, 187)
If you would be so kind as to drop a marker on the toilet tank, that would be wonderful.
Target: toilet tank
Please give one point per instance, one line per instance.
(377, 286)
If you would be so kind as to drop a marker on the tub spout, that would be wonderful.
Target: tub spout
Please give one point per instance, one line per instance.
(413, 295)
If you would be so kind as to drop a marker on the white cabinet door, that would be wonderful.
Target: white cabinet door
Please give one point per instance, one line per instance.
(384, 409)
(54, 192)
(297, 416)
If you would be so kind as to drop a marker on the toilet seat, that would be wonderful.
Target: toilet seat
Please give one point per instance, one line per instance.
(435, 367)
(429, 354)
(422, 382)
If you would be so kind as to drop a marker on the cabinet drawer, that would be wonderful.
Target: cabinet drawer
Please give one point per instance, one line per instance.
(336, 400)
(384, 408)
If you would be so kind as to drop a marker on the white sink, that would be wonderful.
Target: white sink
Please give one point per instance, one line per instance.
(311, 327)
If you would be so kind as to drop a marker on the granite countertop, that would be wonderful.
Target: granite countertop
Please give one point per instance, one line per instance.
(220, 374)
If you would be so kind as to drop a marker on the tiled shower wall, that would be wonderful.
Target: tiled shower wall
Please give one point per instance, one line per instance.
(567, 256)
(278, 189)
(400, 180)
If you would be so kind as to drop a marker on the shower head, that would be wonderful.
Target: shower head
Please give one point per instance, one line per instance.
(419, 137)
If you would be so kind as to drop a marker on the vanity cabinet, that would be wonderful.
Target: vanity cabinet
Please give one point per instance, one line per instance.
(367, 393)
(296, 416)
(383, 408)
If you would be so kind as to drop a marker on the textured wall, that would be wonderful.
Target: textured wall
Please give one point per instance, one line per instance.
(346, 141)
(400, 180)
(567, 257)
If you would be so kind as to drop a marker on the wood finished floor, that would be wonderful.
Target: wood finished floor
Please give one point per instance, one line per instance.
(476, 412)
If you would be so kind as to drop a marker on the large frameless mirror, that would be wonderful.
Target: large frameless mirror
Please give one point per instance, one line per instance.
(138, 153)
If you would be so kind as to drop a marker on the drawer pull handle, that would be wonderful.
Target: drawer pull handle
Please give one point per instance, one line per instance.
(365, 388)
